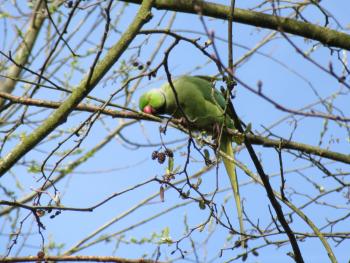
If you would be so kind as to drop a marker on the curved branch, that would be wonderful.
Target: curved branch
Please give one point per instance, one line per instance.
(286, 144)
(254, 139)
(324, 35)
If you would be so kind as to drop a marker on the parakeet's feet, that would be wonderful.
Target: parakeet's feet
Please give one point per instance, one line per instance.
(216, 131)
(183, 122)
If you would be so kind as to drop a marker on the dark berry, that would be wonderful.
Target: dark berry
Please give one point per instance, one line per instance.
(40, 254)
(161, 158)
(40, 212)
(169, 153)
(238, 243)
(154, 155)
(201, 204)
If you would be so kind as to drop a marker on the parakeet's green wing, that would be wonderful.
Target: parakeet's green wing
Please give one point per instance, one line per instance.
(201, 103)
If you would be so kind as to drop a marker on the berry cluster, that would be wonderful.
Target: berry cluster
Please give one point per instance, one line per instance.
(41, 213)
(161, 156)
(139, 65)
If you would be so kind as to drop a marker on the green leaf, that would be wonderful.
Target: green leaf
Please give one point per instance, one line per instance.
(165, 238)
(4, 15)
(201, 204)
(34, 168)
(198, 183)
(206, 154)
(170, 164)
(207, 160)
(133, 240)
(166, 231)
(19, 31)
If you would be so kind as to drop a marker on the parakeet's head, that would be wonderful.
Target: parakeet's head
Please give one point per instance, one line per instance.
(152, 102)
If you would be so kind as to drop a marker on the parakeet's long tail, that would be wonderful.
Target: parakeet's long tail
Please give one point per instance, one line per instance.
(226, 147)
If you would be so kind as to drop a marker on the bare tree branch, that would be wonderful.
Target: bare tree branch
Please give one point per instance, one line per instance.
(60, 115)
(254, 139)
(25, 49)
(324, 35)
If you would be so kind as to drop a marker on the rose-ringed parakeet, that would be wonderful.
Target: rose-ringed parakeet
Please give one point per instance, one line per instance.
(204, 107)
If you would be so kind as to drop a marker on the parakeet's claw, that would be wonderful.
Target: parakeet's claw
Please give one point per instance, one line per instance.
(183, 122)
(216, 131)
(217, 134)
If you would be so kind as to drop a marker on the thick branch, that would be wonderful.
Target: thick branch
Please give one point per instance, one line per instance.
(305, 148)
(324, 35)
(254, 139)
(80, 92)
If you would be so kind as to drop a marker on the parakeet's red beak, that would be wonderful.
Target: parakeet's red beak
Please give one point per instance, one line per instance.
(148, 109)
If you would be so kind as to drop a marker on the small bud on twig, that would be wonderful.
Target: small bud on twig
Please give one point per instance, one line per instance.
(260, 84)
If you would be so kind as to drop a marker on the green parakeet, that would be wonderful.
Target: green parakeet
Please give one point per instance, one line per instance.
(203, 106)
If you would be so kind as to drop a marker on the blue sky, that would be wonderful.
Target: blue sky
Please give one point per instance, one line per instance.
(119, 166)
